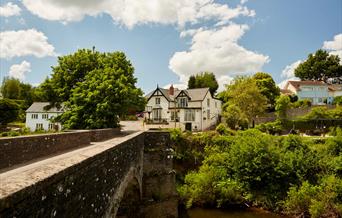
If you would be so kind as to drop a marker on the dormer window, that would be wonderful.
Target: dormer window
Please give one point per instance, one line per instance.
(182, 102)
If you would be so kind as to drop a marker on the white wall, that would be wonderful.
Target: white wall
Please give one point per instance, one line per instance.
(164, 103)
(31, 123)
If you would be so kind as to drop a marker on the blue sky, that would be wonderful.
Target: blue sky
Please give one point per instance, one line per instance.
(168, 40)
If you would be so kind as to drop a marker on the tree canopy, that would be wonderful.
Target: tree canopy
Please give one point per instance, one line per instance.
(267, 87)
(9, 111)
(203, 80)
(320, 66)
(244, 93)
(95, 87)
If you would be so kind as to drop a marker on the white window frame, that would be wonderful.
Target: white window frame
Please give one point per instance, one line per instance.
(158, 101)
(182, 102)
(45, 116)
(189, 115)
(34, 116)
(208, 102)
(39, 126)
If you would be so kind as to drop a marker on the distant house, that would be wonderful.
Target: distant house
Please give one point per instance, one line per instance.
(318, 92)
(38, 118)
(189, 109)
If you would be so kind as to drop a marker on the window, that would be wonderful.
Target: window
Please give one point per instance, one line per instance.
(189, 115)
(174, 115)
(45, 116)
(182, 102)
(208, 102)
(51, 126)
(208, 114)
(39, 126)
(157, 114)
(215, 104)
(34, 116)
(320, 100)
(157, 100)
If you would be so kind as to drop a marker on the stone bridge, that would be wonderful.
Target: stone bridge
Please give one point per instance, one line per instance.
(130, 175)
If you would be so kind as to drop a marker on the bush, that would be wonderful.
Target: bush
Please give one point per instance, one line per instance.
(223, 130)
(271, 127)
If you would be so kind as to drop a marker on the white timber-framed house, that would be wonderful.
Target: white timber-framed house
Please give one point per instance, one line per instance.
(189, 109)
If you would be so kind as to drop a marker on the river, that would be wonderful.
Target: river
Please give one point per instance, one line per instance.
(217, 213)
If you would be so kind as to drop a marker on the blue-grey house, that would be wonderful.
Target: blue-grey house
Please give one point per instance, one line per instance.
(318, 92)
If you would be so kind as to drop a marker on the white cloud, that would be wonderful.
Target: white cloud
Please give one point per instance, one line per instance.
(9, 9)
(288, 72)
(335, 46)
(217, 51)
(243, 2)
(24, 42)
(18, 71)
(133, 12)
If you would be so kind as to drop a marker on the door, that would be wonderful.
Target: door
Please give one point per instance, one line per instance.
(188, 126)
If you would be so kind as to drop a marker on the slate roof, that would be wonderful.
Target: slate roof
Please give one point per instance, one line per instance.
(297, 84)
(194, 94)
(39, 107)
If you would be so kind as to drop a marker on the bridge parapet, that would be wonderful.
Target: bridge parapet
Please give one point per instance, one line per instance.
(92, 181)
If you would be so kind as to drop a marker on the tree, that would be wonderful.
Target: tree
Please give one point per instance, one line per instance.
(320, 66)
(267, 86)
(9, 111)
(282, 105)
(234, 117)
(244, 93)
(10, 88)
(203, 80)
(96, 88)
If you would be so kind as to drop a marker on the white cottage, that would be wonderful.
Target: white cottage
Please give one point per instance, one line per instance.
(190, 109)
(38, 118)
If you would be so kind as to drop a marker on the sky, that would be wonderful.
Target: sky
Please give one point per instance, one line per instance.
(169, 40)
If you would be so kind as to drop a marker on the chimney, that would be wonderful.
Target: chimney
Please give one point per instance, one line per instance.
(171, 90)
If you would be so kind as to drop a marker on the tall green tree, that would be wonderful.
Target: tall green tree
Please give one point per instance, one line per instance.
(9, 111)
(10, 88)
(204, 80)
(320, 66)
(96, 88)
(267, 87)
(244, 93)
(282, 105)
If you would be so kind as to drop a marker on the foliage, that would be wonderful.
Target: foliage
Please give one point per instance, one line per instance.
(9, 111)
(267, 87)
(338, 100)
(320, 66)
(282, 105)
(223, 130)
(290, 173)
(243, 93)
(271, 127)
(204, 80)
(96, 88)
(304, 103)
(234, 117)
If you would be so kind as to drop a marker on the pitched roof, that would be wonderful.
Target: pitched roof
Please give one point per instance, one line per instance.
(39, 107)
(194, 94)
(297, 84)
(335, 87)
(286, 92)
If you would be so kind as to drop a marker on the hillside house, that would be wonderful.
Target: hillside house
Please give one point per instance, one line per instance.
(38, 118)
(318, 92)
(190, 109)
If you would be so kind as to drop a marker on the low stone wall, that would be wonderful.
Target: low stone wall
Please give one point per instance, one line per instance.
(21, 149)
(98, 135)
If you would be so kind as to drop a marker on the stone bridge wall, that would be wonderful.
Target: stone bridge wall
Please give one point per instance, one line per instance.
(21, 149)
(87, 189)
(95, 186)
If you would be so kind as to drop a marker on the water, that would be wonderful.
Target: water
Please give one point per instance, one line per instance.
(216, 213)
